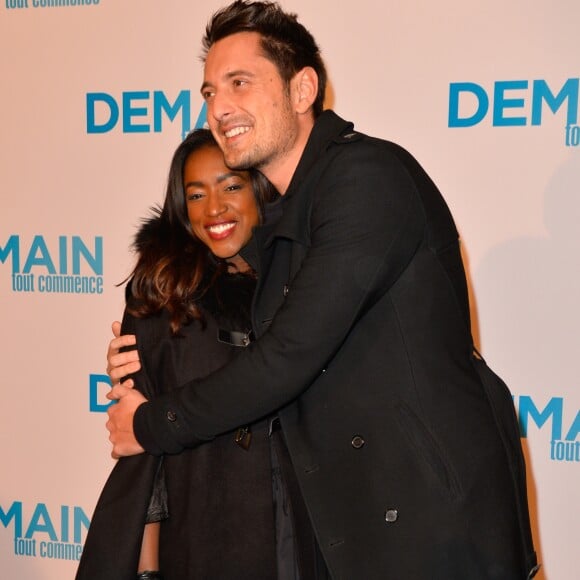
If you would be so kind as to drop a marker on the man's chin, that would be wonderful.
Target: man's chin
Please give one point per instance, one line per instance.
(238, 163)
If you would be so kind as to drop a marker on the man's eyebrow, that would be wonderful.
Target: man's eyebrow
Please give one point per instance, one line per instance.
(240, 72)
(229, 75)
(205, 85)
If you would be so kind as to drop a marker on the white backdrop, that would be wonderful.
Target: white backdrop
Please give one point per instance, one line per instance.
(75, 180)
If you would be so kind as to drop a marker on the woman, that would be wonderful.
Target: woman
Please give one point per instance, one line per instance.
(188, 303)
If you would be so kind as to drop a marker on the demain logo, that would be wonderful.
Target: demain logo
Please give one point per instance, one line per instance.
(65, 264)
(140, 112)
(516, 103)
(46, 533)
(564, 443)
(99, 386)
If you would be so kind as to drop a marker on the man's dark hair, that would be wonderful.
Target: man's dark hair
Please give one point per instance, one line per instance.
(285, 41)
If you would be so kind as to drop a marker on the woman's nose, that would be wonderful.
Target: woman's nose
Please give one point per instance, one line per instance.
(215, 205)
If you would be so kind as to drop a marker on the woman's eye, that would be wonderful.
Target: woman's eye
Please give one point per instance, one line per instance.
(234, 187)
(194, 196)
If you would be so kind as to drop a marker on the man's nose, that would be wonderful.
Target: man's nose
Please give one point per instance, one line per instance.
(220, 106)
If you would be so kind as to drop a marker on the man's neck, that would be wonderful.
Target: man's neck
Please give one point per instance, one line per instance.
(281, 171)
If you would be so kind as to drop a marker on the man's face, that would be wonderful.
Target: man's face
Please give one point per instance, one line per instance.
(249, 108)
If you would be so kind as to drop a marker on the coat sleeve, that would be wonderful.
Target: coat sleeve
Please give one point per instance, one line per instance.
(367, 222)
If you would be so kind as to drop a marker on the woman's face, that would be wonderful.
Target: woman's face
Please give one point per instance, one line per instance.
(220, 204)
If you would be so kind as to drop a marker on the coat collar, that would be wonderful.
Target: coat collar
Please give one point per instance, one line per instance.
(329, 128)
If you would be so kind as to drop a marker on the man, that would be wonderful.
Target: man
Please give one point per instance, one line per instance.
(404, 444)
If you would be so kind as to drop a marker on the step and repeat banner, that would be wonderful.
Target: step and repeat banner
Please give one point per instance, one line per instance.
(96, 95)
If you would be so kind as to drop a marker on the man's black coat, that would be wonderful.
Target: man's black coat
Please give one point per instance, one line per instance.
(405, 444)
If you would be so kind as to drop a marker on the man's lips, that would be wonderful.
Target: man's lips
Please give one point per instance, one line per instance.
(221, 230)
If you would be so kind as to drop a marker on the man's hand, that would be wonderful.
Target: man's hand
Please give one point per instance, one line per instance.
(121, 364)
(120, 423)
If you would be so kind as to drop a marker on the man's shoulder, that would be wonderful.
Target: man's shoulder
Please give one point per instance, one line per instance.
(341, 132)
(352, 146)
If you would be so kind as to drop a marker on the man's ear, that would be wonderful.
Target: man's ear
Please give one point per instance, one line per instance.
(304, 89)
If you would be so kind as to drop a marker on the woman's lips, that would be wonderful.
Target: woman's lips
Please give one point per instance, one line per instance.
(221, 230)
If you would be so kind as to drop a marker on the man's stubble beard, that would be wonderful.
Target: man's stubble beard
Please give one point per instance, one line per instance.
(246, 160)
(280, 142)
(261, 157)
(256, 158)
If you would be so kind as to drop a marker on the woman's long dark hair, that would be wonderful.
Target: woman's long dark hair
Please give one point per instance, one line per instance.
(173, 267)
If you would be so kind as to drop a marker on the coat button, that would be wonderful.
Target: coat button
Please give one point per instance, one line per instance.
(357, 442)
(286, 290)
(391, 516)
(171, 416)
